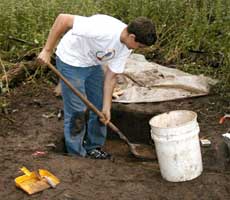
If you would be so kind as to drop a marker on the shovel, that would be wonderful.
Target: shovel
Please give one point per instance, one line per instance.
(138, 150)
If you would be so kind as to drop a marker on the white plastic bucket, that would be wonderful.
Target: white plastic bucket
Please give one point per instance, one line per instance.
(176, 139)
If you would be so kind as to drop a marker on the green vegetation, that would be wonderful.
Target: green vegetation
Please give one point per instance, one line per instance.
(194, 35)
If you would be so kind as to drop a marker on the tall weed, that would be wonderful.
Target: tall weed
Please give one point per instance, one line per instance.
(194, 35)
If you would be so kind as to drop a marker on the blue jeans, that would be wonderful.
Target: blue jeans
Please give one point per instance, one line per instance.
(89, 81)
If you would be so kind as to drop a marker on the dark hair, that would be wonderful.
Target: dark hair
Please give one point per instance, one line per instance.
(144, 30)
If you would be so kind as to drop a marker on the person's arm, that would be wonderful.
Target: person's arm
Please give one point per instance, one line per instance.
(62, 23)
(109, 84)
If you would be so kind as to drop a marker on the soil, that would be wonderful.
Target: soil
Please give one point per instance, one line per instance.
(29, 123)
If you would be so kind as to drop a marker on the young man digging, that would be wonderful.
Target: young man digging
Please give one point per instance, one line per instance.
(89, 43)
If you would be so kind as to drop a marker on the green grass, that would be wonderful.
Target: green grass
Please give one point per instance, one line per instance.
(194, 35)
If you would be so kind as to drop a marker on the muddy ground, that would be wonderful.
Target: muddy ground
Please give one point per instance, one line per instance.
(26, 129)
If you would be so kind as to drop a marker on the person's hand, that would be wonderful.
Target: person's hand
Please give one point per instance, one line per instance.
(107, 116)
(44, 57)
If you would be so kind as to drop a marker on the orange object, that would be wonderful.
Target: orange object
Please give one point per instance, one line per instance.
(222, 119)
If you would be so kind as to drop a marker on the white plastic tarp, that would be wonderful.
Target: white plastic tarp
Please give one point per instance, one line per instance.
(145, 81)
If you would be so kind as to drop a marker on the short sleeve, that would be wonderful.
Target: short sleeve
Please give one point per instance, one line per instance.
(117, 66)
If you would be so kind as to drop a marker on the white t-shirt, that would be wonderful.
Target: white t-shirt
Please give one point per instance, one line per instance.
(94, 40)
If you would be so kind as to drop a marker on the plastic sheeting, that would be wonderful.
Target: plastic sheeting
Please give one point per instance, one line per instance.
(145, 81)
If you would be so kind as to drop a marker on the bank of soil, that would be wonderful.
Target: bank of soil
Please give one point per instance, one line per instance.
(29, 123)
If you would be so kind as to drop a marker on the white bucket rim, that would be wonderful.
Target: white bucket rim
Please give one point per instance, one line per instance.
(177, 126)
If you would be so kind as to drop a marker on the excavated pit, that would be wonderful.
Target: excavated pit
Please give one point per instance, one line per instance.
(133, 121)
(133, 124)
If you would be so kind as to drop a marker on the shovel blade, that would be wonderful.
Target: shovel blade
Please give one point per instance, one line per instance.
(143, 151)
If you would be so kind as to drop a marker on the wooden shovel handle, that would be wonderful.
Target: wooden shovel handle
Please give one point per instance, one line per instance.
(84, 99)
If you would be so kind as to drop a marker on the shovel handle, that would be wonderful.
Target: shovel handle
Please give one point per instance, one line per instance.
(85, 100)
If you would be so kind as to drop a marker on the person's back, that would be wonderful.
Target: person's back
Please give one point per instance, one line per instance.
(94, 40)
